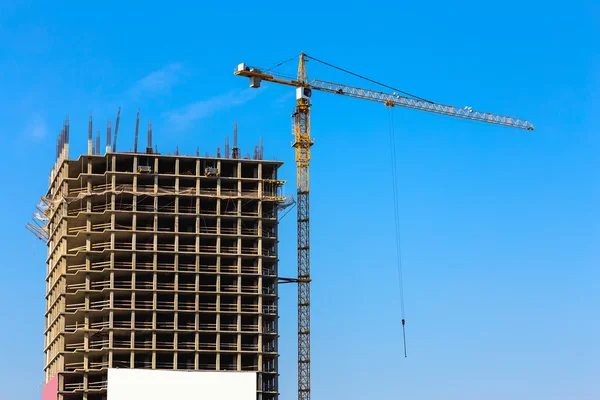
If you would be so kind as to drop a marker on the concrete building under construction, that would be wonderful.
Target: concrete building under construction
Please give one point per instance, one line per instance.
(161, 262)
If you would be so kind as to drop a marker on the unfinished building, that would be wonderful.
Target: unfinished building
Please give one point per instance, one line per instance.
(160, 262)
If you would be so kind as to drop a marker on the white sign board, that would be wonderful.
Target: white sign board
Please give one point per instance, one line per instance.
(147, 384)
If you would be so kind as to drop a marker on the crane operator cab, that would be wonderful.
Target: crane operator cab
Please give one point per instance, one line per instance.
(303, 93)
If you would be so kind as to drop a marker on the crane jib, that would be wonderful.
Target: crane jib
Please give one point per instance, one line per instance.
(391, 99)
(423, 105)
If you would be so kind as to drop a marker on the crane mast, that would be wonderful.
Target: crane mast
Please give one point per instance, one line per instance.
(303, 143)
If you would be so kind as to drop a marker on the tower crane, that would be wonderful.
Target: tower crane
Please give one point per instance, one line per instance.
(302, 144)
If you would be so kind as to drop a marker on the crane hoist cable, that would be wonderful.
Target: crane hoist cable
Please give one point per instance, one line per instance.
(392, 135)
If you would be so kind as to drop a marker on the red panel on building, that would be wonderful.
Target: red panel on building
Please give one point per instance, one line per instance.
(50, 389)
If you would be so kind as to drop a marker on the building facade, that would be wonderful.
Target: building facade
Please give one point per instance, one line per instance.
(161, 262)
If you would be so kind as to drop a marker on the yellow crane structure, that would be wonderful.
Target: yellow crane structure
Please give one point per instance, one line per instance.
(302, 144)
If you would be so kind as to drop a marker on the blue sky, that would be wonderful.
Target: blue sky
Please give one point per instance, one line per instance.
(499, 226)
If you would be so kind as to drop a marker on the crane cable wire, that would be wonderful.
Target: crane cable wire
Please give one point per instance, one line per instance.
(367, 79)
(281, 63)
(392, 135)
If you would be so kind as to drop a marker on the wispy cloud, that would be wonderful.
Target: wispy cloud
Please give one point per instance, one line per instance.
(286, 98)
(183, 117)
(36, 128)
(159, 81)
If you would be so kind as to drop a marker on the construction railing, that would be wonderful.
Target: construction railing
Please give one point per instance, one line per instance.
(249, 328)
(97, 365)
(98, 344)
(143, 304)
(73, 366)
(190, 326)
(228, 327)
(186, 306)
(73, 387)
(229, 268)
(97, 385)
(74, 346)
(249, 269)
(253, 308)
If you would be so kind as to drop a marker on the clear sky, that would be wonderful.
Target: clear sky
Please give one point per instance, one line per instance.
(500, 227)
